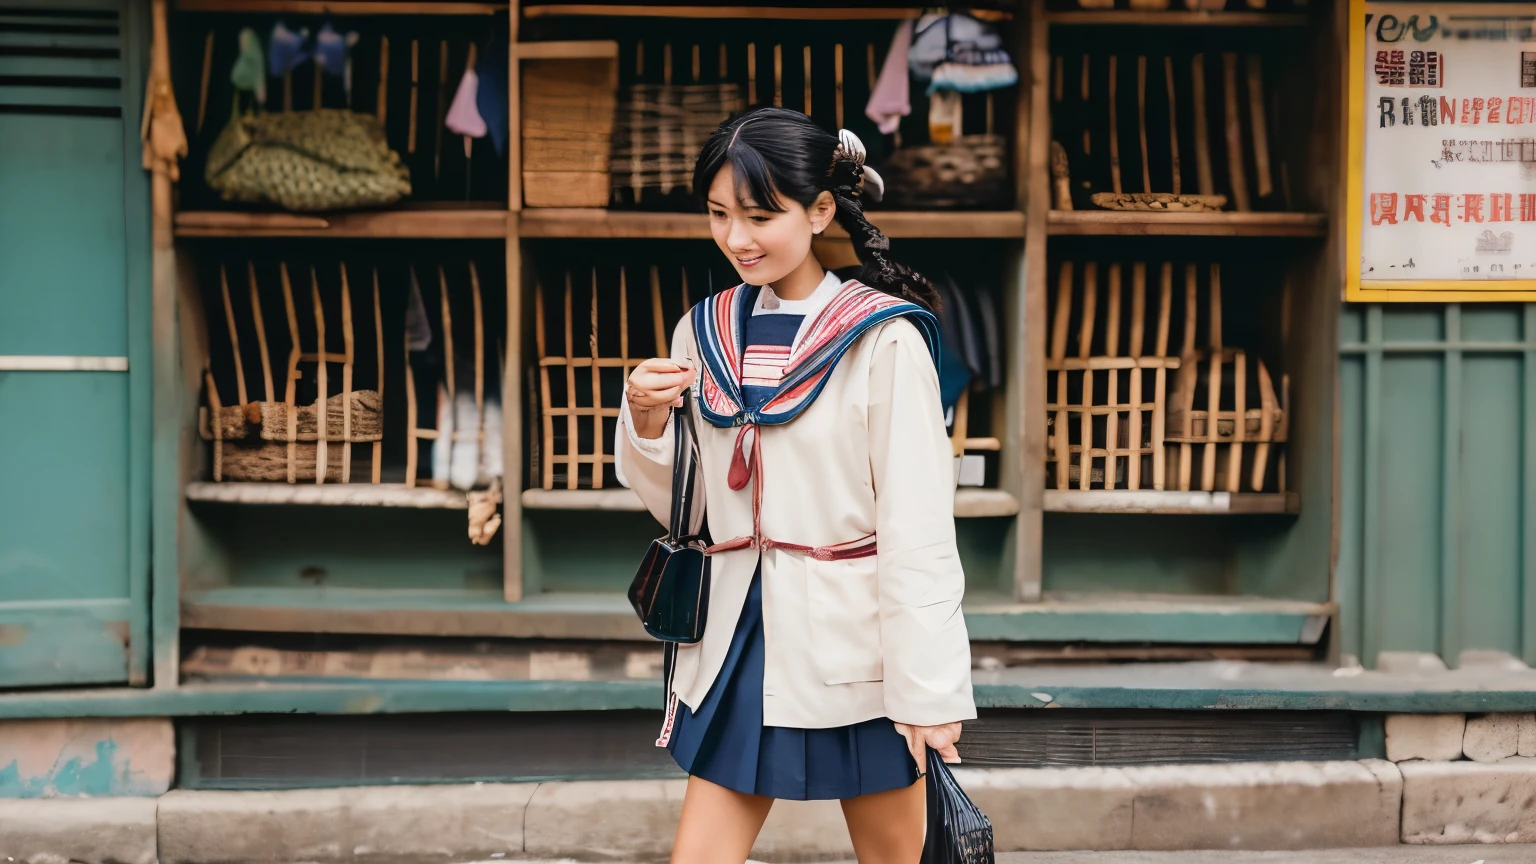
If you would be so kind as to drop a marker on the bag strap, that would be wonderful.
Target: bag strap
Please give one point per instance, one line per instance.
(685, 469)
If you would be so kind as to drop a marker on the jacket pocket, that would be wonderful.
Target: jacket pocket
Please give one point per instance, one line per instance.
(844, 603)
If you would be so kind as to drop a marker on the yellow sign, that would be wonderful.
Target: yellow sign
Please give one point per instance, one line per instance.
(1442, 152)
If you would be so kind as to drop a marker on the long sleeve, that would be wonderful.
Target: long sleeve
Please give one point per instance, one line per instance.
(927, 652)
(645, 464)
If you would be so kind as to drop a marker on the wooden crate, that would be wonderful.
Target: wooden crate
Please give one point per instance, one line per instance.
(567, 126)
(1106, 405)
(271, 440)
(1212, 420)
(572, 384)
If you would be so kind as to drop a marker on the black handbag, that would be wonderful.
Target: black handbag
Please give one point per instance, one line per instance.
(958, 832)
(670, 591)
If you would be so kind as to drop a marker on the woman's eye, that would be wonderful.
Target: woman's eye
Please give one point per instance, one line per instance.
(717, 214)
(760, 219)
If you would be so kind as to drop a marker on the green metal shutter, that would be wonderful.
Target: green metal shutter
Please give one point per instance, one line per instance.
(74, 368)
(1438, 531)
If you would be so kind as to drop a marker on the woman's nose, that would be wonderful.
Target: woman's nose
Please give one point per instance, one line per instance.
(739, 239)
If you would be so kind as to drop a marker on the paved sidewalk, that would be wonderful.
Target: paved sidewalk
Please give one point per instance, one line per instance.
(1490, 854)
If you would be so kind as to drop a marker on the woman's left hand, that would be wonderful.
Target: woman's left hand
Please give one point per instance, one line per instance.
(941, 738)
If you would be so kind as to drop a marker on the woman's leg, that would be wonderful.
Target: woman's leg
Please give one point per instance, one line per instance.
(888, 827)
(718, 825)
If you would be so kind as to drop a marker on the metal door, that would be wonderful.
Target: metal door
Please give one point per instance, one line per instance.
(74, 342)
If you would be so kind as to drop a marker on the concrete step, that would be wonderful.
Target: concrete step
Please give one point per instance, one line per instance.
(1115, 811)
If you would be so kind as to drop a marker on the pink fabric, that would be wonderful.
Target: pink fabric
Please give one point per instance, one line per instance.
(463, 117)
(891, 99)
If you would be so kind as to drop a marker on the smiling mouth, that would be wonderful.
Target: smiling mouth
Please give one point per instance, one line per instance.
(750, 262)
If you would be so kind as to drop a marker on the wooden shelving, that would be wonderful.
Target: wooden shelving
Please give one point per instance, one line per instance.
(1081, 222)
(1204, 18)
(970, 503)
(1165, 502)
(329, 495)
(615, 224)
(453, 222)
(340, 7)
(786, 12)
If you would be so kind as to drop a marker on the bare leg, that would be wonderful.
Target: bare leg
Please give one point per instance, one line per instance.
(718, 825)
(888, 827)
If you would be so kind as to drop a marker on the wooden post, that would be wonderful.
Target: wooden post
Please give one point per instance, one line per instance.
(1059, 326)
(293, 371)
(1173, 124)
(1160, 384)
(1138, 330)
(1025, 426)
(322, 415)
(1114, 130)
(1141, 122)
(1260, 128)
(1084, 348)
(234, 337)
(261, 332)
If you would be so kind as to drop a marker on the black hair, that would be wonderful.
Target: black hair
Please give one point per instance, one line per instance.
(779, 152)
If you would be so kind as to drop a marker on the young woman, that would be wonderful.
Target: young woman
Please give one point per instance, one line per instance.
(835, 652)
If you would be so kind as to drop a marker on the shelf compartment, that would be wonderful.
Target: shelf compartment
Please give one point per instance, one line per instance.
(329, 495)
(970, 503)
(1170, 502)
(1157, 619)
(592, 223)
(1197, 18)
(413, 612)
(798, 13)
(451, 223)
(1150, 618)
(1219, 224)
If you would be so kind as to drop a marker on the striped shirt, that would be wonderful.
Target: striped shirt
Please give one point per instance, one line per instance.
(771, 331)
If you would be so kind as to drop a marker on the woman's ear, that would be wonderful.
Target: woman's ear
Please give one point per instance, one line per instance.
(821, 211)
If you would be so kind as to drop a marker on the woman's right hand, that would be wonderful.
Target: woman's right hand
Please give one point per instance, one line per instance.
(656, 386)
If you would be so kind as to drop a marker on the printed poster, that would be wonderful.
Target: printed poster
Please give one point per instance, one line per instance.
(1443, 180)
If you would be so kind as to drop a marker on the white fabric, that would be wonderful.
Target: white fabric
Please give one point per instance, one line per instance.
(846, 641)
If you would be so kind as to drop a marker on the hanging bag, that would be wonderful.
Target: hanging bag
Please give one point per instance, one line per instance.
(670, 591)
(958, 832)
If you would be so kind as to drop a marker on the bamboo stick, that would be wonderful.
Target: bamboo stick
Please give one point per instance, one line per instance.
(378, 333)
(319, 83)
(261, 331)
(1203, 174)
(479, 310)
(1234, 132)
(1160, 381)
(234, 335)
(1173, 125)
(415, 84)
(1114, 131)
(1141, 118)
(346, 377)
(778, 75)
(413, 435)
(837, 71)
(547, 415)
(658, 320)
(1084, 348)
(1059, 353)
(381, 100)
(215, 408)
(1138, 330)
(572, 443)
(321, 372)
(597, 394)
(808, 82)
(442, 109)
(289, 391)
(1263, 178)
(202, 95)
(1086, 88)
(1112, 349)
(1240, 424)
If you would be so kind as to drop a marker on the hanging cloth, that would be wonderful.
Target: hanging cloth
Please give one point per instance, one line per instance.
(891, 98)
(491, 94)
(286, 49)
(464, 112)
(249, 73)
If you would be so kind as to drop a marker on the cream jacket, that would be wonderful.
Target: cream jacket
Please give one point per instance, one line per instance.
(846, 641)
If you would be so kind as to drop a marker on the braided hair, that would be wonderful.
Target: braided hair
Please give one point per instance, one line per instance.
(778, 152)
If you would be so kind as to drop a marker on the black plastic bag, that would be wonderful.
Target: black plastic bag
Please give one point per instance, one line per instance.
(958, 832)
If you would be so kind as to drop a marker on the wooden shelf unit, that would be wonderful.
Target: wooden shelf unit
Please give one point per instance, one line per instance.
(1030, 226)
(1222, 224)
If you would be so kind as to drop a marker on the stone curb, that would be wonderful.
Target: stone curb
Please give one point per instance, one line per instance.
(83, 830)
(1286, 805)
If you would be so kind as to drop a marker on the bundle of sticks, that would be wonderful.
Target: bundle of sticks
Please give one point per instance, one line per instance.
(1078, 129)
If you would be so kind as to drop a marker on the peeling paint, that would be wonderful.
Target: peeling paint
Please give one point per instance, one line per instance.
(78, 759)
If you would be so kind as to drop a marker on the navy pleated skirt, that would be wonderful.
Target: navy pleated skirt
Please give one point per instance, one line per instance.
(726, 743)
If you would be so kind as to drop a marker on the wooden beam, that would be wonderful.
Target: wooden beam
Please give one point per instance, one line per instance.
(1028, 367)
(340, 7)
(546, 222)
(593, 50)
(1216, 224)
(1198, 18)
(1147, 501)
(800, 13)
(425, 223)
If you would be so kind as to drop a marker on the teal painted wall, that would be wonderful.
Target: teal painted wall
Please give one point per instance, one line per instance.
(1438, 479)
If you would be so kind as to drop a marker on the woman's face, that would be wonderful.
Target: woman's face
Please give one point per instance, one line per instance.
(764, 246)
